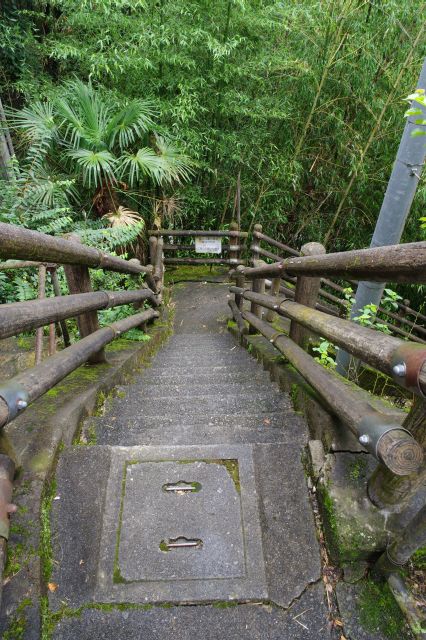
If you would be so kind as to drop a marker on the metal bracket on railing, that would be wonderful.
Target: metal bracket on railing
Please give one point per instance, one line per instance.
(372, 428)
(16, 399)
(407, 364)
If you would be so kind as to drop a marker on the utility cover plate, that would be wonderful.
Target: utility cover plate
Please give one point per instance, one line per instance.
(181, 524)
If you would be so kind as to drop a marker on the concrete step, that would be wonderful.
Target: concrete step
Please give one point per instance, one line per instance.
(202, 405)
(191, 387)
(250, 368)
(270, 504)
(202, 358)
(284, 427)
(203, 376)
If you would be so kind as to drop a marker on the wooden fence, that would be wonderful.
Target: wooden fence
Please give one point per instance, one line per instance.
(47, 253)
(230, 254)
(403, 320)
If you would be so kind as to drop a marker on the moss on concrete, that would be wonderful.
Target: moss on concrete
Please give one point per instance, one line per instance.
(18, 625)
(193, 272)
(419, 559)
(379, 611)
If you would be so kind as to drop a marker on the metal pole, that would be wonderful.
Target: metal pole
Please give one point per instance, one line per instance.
(393, 214)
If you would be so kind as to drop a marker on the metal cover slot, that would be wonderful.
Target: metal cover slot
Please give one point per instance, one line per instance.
(182, 487)
(181, 542)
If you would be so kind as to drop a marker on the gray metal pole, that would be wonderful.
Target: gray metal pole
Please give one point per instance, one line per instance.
(6, 146)
(394, 211)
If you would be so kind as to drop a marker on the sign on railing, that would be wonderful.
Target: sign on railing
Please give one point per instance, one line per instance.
(204, 244)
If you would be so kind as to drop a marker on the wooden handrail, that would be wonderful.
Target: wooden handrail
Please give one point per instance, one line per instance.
(385, 439)
(393, 263)
(18, 392)
(196, 233)
(17, 317)
(20, 243)
(381, 351)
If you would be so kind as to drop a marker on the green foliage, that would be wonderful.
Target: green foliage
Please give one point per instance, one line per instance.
(419, 97)
(324, 349)
(368, 318)
(288, 93)
(302, 98)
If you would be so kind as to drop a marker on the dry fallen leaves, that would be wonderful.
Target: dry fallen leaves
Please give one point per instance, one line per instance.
(52, 586)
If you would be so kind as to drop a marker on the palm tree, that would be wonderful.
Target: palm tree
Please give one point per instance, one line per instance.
(103, 149)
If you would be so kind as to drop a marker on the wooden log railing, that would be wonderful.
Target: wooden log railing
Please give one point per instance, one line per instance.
(82, 303)
(404, 361)
(337, 303)
(46, 253)
(230, 252)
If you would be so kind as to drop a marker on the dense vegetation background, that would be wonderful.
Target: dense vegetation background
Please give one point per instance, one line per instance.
(303, 97)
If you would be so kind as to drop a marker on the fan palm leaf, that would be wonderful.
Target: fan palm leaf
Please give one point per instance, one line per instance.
(176, 165)
(130, 123)
(85, 116)
(96, 165)
(144, 163)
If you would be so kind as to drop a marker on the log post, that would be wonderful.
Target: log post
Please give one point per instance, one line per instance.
(240, 282)
(254, 247)
(78, 279)
(7, 472)
(41, 296)
(389, 491)
(234, 243)
(275, 291)
(152, 249)
(57, 292)
(258, 284)
(306, 293)
(159, 262)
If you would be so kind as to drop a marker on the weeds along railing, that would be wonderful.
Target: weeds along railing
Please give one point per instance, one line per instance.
(230, 253)
(42, 271)
(336, 303)
(404, 361)
(82, 303)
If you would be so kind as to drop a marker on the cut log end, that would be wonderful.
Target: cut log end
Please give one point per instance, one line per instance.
(400, 452)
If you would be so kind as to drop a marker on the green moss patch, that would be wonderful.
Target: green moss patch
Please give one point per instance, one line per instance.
(18, 626)
(379, 611)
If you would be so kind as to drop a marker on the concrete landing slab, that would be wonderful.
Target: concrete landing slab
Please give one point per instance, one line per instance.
(142, 518)
(180, 521)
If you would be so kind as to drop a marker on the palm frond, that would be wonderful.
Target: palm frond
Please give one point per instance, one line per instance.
(95, 165)
(38, 123)
(145, 162)
(85, 115)
(130, 123)
(176, 165)
(123, 217)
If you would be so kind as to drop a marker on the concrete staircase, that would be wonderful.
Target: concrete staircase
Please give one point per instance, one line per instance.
(128, 539)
